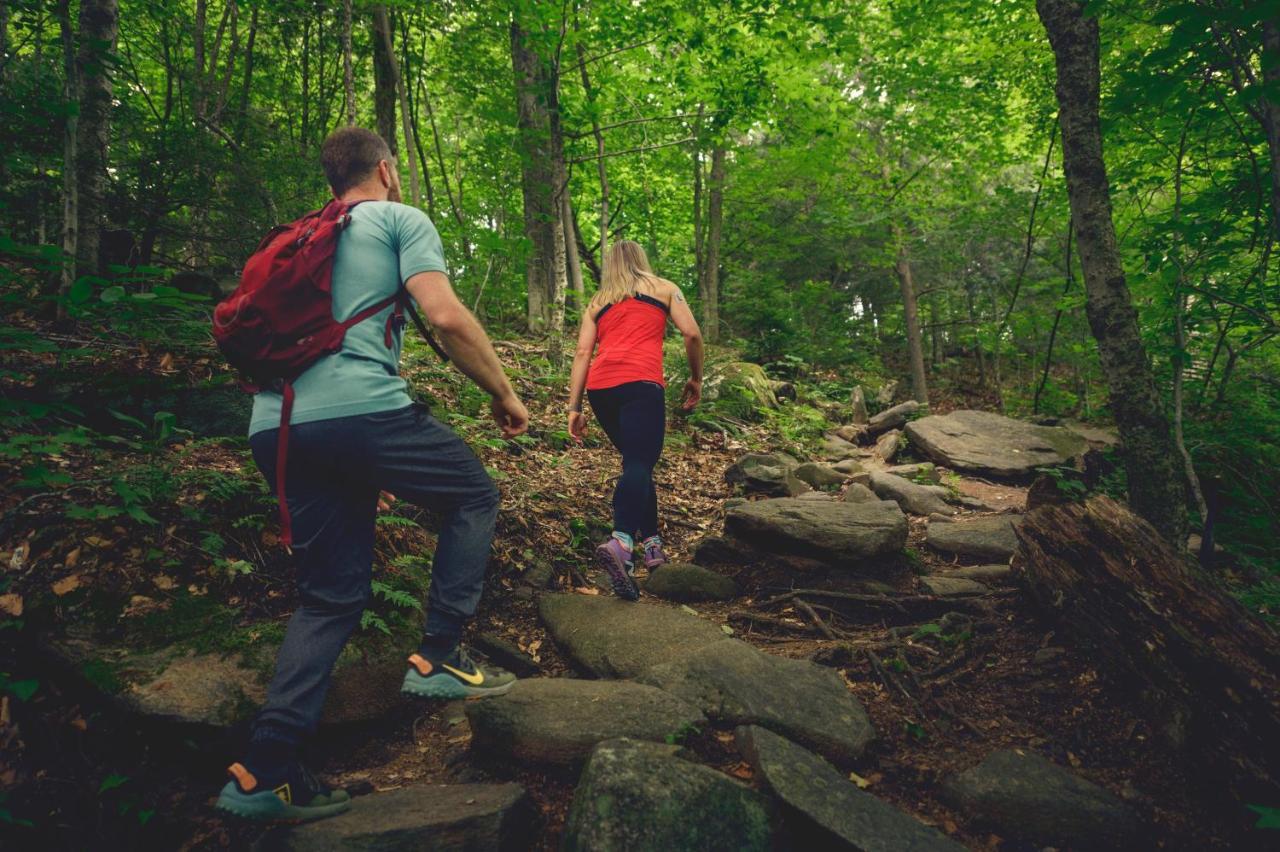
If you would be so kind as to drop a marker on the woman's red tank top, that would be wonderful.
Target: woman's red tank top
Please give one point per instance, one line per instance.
(629, 343)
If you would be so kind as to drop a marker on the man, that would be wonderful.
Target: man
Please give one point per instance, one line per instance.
(355, 433)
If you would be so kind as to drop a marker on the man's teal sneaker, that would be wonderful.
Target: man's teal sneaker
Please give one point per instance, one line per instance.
(296, 796)
(456, 676)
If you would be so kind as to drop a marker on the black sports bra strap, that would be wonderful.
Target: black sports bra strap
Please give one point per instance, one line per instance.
(650, 300)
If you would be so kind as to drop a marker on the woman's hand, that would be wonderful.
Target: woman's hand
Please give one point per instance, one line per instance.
(577, 425)
(692, 395)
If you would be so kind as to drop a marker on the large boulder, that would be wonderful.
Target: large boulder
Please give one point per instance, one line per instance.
(913, 498)
(888, 445)
(735, 683)
(988, 444)
(558, 721)
(641, 795)
(859, 493)
(1022, 795)
(177, 686)
(835, 448)
(893, 418)
(832, 811)
(741, 387)
(772, 475)
(843, 535)
(421, 818)
(609, 637)
(990, 538)
(680, 581)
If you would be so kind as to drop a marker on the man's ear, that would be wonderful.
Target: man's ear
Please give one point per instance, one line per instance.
(384, 173)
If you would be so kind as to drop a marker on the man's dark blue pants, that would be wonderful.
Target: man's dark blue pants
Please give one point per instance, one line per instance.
(335, 470)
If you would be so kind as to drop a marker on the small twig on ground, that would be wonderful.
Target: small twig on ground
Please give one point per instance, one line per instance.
(756, 618)
(804, 607)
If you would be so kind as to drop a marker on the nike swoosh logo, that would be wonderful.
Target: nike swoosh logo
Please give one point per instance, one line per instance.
(473, 679)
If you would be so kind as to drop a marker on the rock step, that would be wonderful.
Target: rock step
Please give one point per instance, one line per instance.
(1022, 795)
(982, 538)
(685, 583)
(642, 795)
(734, 683)
(989, 444)
(558, 721)
(913, 498)
(611, 638)
(840, 534)
(479, 817)
(829, 807)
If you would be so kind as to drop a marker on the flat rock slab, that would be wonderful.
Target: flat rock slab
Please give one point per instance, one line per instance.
(733, 682)
(1020, 794)
(838, 449)
(557, 721)
(859, 493)
(893, 418)
(990, 444)
(841, 534)
(641, 795)
(612, 638)
(912, 497)
(982, 538)
(479, 817)
(819, 476)
(945, 586)
(680, 581)
(830, 805)
(771, 474)
(916, 471)
(982, 573)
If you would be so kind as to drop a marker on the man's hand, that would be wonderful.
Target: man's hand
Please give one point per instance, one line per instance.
(385, 499)
(692, 395)
(510, 415)
(577, 425)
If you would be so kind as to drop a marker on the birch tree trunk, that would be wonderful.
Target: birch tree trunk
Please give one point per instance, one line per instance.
(98, 23)
(1156, 485)
(572, 260)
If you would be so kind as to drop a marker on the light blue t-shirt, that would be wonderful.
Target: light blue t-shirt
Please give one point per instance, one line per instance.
(386, 244)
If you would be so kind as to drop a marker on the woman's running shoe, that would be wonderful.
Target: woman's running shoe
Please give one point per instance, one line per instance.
(456, 676)
(615, 559)
(294, 795)
(654, 555)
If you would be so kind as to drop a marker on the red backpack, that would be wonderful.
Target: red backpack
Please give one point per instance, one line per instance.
(279, 321)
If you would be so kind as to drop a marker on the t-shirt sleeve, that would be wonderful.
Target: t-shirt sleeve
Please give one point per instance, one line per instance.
(418, 243)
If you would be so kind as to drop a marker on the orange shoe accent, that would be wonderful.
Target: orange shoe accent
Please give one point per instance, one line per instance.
(243, 777)
(423, 665)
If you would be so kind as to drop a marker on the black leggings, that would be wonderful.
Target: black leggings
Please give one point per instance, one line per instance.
(634, 416)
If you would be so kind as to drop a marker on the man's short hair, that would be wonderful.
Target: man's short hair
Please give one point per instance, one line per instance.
(349, 155)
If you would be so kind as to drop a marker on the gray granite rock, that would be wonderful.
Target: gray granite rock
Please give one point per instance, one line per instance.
(945, 586)
(772, 475)
(859, 493)
(680, 581)
(913, 498)
(893, 418)
(819, 476)
(421, 818)
(609, 637)
(640, 795)
(990, 444)
(839, 534)
(888, 445)
(558, 721)
(983, 538)
(735, 683)
(1020, 794)
(832, 808)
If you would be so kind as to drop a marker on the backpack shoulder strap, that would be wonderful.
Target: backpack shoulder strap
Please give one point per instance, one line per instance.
(404, 302)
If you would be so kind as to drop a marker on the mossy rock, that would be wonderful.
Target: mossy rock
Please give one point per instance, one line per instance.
(686, 583)
(740, 388)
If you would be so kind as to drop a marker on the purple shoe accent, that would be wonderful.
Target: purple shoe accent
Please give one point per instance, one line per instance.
(612, 557)
(654, 555)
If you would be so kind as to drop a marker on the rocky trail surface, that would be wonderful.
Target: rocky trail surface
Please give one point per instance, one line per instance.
(843, 660)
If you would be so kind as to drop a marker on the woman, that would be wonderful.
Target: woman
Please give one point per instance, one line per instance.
(624, 325)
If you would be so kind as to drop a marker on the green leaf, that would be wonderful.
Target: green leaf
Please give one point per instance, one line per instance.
(111, 782)
(80, 291)
(23, 689)
(112, 294)
(1267, 817)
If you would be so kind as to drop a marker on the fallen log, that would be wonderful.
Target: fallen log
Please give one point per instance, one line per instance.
(1207, 668)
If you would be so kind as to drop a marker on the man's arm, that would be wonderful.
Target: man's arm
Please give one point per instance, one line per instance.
(688, 326)
(468, 346)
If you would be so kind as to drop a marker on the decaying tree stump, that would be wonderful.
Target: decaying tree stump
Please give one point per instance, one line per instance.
(1208, 669)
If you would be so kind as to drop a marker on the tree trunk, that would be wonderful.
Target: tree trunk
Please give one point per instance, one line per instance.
(710, 294)
(538, 177)
(698, 266)
(94, 64)
(601, 171)
(382, 23)
(911, 318)
(573, 261)
(1206, 667)
(348, 71)
(1271, 110)
(1156, 486)
(70, 217)
(384, 86)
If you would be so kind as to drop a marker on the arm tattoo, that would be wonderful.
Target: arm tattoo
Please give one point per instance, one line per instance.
(679, 295)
